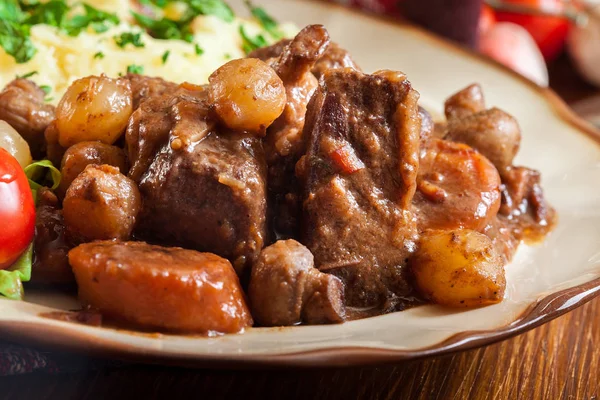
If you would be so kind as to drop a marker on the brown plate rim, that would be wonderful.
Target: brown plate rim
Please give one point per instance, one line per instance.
(538, 313)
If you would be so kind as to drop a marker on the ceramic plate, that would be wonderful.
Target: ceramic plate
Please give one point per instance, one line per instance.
(543, 281)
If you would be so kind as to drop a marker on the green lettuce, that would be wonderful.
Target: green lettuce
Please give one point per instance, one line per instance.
(40, 173)
(12, 278)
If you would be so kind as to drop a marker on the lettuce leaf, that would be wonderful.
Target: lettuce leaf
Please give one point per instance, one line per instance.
(12, 278)
(42, 171)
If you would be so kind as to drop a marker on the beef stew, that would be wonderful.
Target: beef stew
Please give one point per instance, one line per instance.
(291, 189)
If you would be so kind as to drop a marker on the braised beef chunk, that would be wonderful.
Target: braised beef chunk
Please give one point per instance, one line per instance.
(147, 131)
(22, 106)
(54, 151)
(361, 163)
(284, 143)
(522, 195)
(147, 87)
(286, 288)
(51, 264)
(203, 187)
(272, 51)
(334, 57)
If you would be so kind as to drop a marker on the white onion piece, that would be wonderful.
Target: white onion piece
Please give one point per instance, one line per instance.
(11, 141)
(513, 46)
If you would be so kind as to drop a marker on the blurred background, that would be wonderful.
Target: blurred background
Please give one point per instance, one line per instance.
(554, 43)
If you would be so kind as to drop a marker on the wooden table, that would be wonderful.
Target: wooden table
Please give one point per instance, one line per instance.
(558, 360)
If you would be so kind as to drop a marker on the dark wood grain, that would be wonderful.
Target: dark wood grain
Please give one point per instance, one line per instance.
(559, 360)
(555, 361)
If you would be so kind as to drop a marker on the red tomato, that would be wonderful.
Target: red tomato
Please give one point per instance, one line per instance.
(550, 33)
(487, 18)
(17, 210)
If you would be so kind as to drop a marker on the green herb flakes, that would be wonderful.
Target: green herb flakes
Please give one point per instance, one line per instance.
(135, 69)
(265, 20)
(15, 40)
(250, 43)
(27, 75)
(126, 38)
(165, 56)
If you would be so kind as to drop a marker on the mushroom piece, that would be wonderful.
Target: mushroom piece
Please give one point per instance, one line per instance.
(468, 101)
(494, 133)
(286, 288)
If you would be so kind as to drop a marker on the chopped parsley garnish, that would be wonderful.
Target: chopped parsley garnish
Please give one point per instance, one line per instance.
(97, 19)
(250, 43)
(199, 51)
(47, 89)
(27, 75)
(165, 56)
(17, 18)
(126, 38)
(164, 28)
(158, 3)
(227, 56)
(217, 8)
(11, 11)
(14, 39)
(52, 13)
(99, 55)
(265, 20)
(135, 69)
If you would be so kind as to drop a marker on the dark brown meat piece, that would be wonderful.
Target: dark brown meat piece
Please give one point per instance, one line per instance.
(334, 57)
(147, 131)
(82, 154)
(202, 187)
(468, 101)
(493, 133)
(284, 143)
(147, 87)
(51, 265)
(54, 151)
(286, 288)
(359, 222)
(522, 195)
(272, 51)
(22, 106)
(156, 287)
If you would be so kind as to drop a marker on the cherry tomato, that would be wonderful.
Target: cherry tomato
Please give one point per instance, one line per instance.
(487, 18)
(550, 33)
(17, 210)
